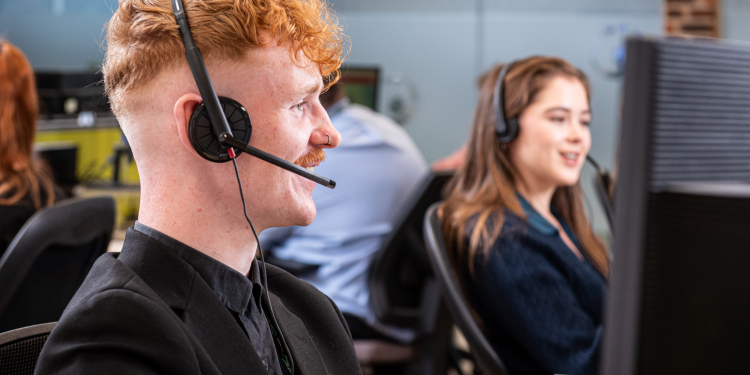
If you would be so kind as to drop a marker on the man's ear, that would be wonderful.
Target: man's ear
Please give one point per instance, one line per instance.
(183, 110)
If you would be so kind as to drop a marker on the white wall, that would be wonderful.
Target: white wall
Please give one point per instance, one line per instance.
(434, 49)
(736, 19)
(443, 52)
(442, 45)
(57, 34)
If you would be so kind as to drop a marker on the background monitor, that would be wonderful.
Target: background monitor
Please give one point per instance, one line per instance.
(66, 94)
(62, 158)
(679, 300)
(361, 84)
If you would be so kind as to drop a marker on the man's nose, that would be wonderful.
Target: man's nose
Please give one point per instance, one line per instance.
(325, 135)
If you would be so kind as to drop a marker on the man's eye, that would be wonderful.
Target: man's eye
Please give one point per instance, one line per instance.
(299, 106)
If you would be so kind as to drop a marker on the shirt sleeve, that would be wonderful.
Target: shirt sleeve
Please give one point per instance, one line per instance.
(531, 301)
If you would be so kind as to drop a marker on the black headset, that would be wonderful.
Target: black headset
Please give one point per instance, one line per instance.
(505, 129)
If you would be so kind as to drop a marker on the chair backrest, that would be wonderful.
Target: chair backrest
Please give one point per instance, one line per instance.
(48, 259)
(485, 356)
(398, 275)
(20, 348)
(602, 186)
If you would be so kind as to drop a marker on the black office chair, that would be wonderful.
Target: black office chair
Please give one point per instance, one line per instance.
(404, 293)
(484, 356)
(20, 348)
(48, 259)
(399, 274)
(603, 185)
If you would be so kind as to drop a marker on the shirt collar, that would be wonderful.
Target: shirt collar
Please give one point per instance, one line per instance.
(233, 288)
(542, 225)
(535, 219)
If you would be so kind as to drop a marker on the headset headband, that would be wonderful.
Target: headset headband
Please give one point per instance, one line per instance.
(499, 100)
(506, 130)
(200, 74)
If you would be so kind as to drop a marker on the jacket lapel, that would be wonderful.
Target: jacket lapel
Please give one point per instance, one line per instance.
(304, 353)
(219, 333)
(188, 295)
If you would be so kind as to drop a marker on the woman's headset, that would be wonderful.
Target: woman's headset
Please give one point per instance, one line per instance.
(505, 129)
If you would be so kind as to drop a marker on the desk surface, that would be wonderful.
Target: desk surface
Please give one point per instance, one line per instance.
(72, 123)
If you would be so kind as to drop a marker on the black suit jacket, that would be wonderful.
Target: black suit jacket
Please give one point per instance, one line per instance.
(148, 312)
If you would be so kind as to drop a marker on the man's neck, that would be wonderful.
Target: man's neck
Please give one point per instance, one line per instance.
(192, 217)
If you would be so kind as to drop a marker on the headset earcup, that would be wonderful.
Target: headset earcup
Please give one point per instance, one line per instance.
(202, 135)
(511, 130)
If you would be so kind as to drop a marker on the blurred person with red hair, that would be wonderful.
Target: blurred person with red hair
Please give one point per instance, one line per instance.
(25, 182)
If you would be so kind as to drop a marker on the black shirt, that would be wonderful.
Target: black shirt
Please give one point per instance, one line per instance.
(240, 294)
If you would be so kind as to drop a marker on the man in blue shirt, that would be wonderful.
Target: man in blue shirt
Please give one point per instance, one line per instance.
(376, 166)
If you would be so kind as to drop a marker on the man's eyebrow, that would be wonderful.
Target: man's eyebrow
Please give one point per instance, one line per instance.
(312, 88)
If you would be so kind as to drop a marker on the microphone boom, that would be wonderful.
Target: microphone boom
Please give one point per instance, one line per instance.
(230, 141)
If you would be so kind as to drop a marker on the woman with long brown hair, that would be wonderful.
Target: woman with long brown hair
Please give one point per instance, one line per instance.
(25, 183)
(515, 224)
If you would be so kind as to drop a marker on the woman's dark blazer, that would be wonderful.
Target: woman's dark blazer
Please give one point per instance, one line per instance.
(148, 312)
(540, 305)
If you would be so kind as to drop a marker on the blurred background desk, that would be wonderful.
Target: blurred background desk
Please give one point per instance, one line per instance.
(92, 160)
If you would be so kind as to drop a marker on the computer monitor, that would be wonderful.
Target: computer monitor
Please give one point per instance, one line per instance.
(361, 84)
(679, 291)
(62, 158)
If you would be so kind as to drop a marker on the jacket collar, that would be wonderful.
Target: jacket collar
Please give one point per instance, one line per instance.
(233, 288)
(164, 272)
(188, 295)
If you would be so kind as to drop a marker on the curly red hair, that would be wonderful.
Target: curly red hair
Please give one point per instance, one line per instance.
(143, 37)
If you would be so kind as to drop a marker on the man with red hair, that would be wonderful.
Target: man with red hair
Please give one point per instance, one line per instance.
(185, 296)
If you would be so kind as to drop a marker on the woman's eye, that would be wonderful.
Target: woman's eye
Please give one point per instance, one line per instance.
(585, 123)
(557, 119)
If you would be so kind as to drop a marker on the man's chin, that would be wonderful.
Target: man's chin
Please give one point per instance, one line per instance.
(306, 217)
